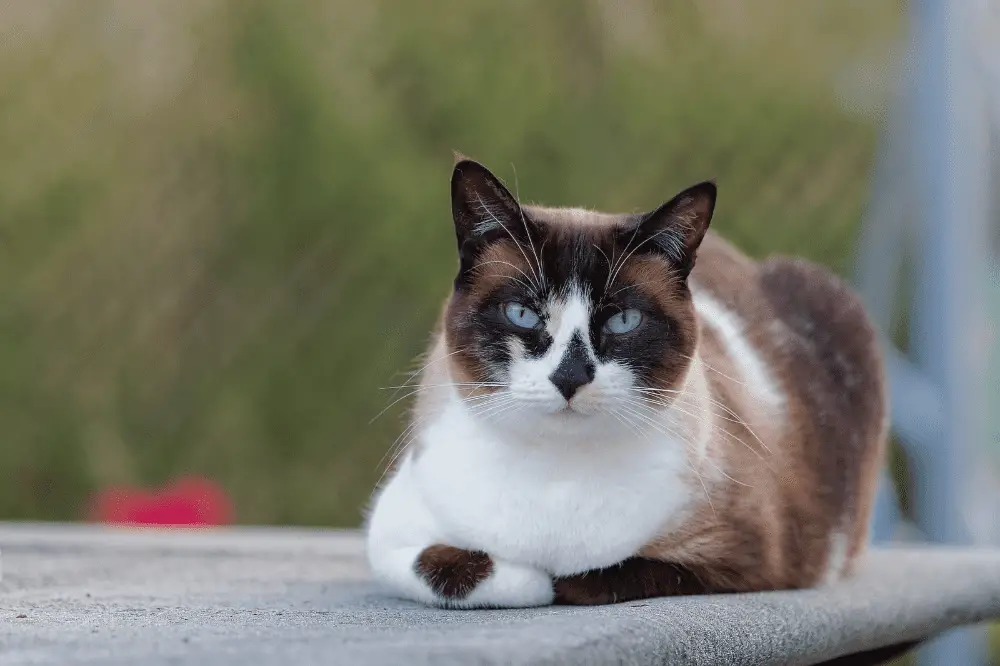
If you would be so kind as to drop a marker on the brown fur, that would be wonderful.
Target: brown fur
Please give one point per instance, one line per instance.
(635, 578)
(453, 572)
(647, 275)
(819, 476)
(501, 262)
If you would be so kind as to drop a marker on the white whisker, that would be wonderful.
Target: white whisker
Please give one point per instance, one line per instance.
(621, 263)
(536, 282)
(725, 433)
(419, 370)
(735, 418)
(454, 384)
(531, 242)
(530, 288)
(701, 480)
(418, 388)
(669, 431)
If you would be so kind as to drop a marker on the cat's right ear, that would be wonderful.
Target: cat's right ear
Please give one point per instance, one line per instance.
(483, 209)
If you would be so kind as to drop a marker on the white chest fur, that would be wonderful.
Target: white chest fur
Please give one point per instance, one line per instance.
(561, 506)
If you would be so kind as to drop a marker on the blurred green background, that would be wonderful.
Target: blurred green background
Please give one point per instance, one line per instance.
(224, 225)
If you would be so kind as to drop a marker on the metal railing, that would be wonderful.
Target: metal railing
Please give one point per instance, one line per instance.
(930, 209)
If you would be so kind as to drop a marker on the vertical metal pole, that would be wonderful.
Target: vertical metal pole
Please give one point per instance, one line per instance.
(886, 515)
(879, 261)
(949, 170)
(883, 235)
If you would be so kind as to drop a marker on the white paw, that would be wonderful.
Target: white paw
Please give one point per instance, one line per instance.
(455, 578)
(510, 586)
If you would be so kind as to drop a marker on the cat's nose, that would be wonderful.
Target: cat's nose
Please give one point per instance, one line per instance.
(569, 377)
(574, 370)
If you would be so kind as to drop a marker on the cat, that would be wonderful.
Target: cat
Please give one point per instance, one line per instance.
(617, 407)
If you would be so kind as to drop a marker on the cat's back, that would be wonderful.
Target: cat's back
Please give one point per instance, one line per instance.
(815, 338)
(809, 324)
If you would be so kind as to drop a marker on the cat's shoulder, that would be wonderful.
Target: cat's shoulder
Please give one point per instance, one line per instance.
(725, 272)
(784, 299)
(792, 287)
(823, 312)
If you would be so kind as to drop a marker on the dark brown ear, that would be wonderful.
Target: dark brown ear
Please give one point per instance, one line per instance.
(676, 229)
(483, 210)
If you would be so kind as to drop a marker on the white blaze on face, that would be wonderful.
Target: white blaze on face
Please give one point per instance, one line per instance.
(565, 317)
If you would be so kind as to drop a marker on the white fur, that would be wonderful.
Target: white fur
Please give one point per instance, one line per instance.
(529, 378)
(836, 560)
(547, 488)
(729, 327)
(402, 526)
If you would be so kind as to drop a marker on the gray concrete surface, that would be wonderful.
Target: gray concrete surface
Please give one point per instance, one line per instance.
(74, 594)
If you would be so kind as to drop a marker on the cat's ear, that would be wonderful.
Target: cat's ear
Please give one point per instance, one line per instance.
(676, 229)
(483, 209)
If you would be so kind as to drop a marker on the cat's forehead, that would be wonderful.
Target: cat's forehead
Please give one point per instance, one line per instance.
(580, 239)
(567, 253)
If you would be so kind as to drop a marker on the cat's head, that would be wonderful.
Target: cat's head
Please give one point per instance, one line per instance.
(571, 313)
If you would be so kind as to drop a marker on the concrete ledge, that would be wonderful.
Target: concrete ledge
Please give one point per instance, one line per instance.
(285, 596)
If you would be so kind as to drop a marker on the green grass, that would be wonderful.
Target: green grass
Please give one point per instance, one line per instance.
(226, 224)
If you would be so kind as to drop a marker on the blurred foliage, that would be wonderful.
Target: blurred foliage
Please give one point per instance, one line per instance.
(225, 224)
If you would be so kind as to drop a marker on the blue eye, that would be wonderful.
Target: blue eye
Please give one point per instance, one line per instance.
(623, 322)
(520, 315)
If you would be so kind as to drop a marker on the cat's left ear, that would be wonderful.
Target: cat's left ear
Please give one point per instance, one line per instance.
(675, 229)
(484, 212)
(482, 208)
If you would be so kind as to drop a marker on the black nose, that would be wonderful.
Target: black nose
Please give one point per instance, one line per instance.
(574, 370)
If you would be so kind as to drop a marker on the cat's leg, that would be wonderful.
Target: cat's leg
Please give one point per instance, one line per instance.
(472, 579)
(409, 554)
(632, 579)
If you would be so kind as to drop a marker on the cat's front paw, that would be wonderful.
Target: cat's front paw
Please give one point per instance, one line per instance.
(472, 579)
(453, 573)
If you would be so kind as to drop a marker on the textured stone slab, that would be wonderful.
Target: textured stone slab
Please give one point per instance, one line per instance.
(91, 595)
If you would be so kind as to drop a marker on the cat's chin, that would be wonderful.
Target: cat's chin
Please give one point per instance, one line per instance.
(548, 423)
(564, 411)
(584, 409)
(569, 412)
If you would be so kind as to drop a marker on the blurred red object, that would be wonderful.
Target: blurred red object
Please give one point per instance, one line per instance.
(186, 501)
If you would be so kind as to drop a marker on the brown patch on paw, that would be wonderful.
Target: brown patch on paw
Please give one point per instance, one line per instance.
(453, 572)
